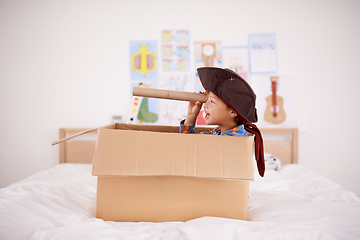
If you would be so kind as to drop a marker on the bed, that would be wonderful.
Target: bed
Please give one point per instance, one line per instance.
(291, 202)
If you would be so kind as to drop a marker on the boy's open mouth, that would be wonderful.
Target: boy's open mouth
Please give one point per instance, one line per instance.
(207, 115)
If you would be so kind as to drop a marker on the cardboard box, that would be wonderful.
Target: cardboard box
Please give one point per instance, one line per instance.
(155, 174)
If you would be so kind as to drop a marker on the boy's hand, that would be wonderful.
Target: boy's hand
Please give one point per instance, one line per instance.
(193, 111)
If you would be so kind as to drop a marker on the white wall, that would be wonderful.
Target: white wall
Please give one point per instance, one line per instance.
(66, 64)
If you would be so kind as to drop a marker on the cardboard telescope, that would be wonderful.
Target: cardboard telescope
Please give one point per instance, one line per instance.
(169, 94)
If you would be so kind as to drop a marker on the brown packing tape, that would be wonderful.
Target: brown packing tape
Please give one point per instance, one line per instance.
(169, 94)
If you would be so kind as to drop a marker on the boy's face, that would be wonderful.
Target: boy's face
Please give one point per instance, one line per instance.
(217, 112)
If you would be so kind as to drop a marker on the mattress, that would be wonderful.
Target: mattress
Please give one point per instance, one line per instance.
(291, 203)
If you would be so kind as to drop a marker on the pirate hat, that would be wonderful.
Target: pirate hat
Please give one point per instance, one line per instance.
(231, 88)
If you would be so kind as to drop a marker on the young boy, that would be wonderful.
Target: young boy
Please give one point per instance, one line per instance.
(216, 113)
(230, 105)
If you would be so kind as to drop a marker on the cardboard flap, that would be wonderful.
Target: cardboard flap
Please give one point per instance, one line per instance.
(146, 153)
(82, 133)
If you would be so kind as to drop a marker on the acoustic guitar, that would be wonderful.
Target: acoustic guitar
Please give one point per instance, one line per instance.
(274, 112)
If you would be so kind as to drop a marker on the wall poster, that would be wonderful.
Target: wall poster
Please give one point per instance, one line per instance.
(175, 74)
(237, 59)
(262, 51)
(143, 73)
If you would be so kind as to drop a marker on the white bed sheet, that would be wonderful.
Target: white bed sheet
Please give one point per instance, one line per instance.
(293, 203)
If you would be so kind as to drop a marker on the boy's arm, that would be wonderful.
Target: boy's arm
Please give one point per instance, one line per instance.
(193, 111)
(188, 125)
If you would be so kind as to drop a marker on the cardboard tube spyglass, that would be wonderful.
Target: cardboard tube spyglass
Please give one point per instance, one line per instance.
(169, 94)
